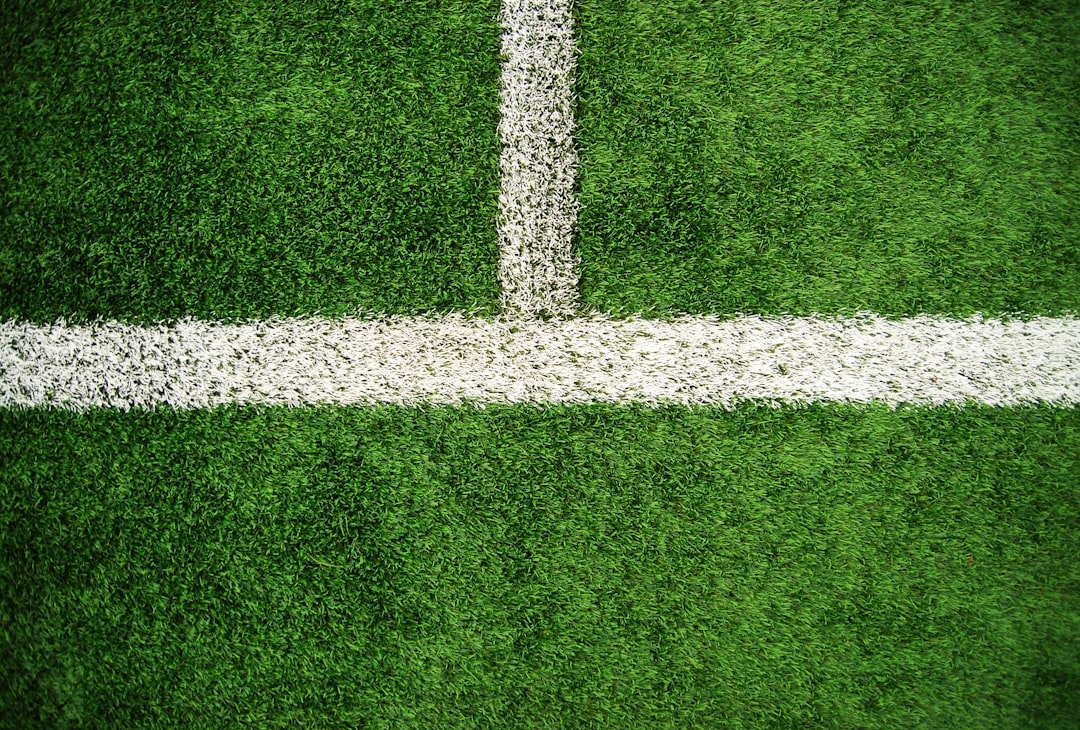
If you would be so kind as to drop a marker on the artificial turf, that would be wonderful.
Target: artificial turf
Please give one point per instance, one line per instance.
(247, 159)
(823, 156)
(572, 566)
(596, 566)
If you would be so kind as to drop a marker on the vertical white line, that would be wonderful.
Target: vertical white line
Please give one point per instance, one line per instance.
(538, 269)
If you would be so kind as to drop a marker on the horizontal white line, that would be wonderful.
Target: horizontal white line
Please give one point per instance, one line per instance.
(453, 359)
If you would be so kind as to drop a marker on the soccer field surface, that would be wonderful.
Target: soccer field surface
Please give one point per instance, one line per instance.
(466, 364)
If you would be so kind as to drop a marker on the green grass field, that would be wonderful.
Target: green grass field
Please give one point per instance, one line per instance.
(246, 160)
(570, 566)
(823, 156)
(577, 567)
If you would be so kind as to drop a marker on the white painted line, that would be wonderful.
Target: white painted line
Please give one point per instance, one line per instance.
(453, 359)
(538, 268)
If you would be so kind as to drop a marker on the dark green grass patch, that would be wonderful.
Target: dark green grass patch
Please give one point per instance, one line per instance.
(247, 159)
(775, 157)
(575, 567)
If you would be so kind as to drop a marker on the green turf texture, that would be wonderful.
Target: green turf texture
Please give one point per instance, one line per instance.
(247, 159)
(572, 567)
(597, 566)
(773, 157)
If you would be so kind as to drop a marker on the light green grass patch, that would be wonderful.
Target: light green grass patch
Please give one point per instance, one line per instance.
(565, 567)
